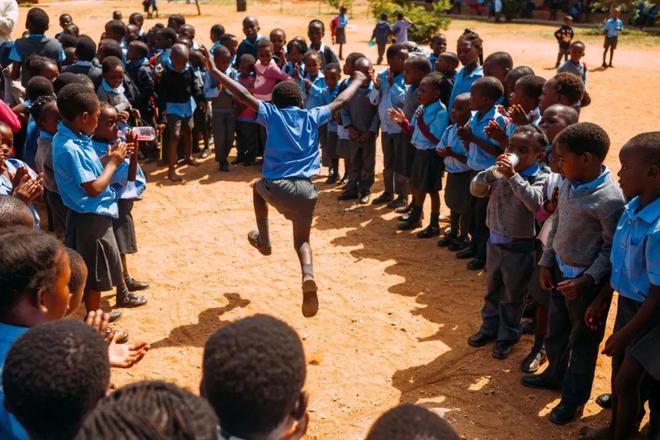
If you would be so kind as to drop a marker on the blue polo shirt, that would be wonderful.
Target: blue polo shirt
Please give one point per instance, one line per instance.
(386, 97)
(635, 253)
(125, 189)
(315, 96)
(463, 82)
(478, 159)
(75, 162)
(436, 117)
(613, 27)
(292, 143)
(10, 429)
(451, 140)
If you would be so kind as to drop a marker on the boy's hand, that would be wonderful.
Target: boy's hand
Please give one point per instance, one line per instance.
(308, 84)
(443, 151)
(123, 116)
(117, 153)
(396, 115)
(126, 355)
(501, 110)
(617, 342)
(571, 288)
(596, 313)
(364, 137)
(495, 132)
(136, 113)
(98, 320)
(296, 71)
(545, 278)
(358, 76)
(353, 133)
(551, 205)
(465, 133)
(504, 166)
(518, 115)
(18, 176)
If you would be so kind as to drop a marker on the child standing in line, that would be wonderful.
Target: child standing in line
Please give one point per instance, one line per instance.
(295, 53)
(267, 72)
(278, 38)
(111, 89)
(142, 75)
(330, 92)
(469, 49)
(574, 65)
(438, 46)
(427, 126)
(564, 36)
(315, 33)
(563, 88)
(612, 29)
(231, 42)
(249, 44)
(247, 134)
(381, 35)
(575, 265)
(447, 64)
(315, 91)
(215, 34)
(339, 24)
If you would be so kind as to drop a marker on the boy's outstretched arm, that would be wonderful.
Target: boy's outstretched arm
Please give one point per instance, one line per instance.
(345, 96)
(239, 92)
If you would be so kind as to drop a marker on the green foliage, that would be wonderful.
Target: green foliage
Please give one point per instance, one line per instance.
(335, 4)
(511, 8)
(426, 23)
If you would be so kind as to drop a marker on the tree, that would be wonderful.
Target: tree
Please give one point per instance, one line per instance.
(427, 23)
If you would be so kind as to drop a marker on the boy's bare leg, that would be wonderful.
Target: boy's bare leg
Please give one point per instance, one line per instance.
(310, 305)
(611, 55)
(260, 238)
(627, 399)
(171, 158)
(92, 300)
(186, 132)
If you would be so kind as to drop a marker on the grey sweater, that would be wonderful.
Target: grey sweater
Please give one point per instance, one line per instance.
(512, 201)
(360, 113)
(583, 226)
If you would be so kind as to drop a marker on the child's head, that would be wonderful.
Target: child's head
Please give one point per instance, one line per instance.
(85, 48)
(67, 40)
(185, 41)
(113, 71)
(34, 277)
(45, 114)
(581, 149)
(616, 12)
(514, 75)
(65, 20)
(115, 30)
(439, 44)
(108, 48)
(77, 280)
(106, 130)
(408, 421)
(117, 15)
(132, 33)
(396, 55)
(485, 92)
(278, 38)
(230, 42)
(137, 50)
(246, 64)
(447, 63)
(498, 64)
(37, 21)
(469, 48)
(555, 118)
(264, 51)
(312, 62)
(136, 19)
(288, 94)
(175, 21)
(42, 66)
(72, 29)
(69, 56)
(364, 65)
(187, 30)
(528, 143)
(179, 57)
(197, 60)
(332, 74)
(7, 141)
(54, 375)
(527, 92)
(640, 166)
(433, 88)
(222, 58)
(251, 28)
(253, 375)
(576, 51)
(399, 16)
(66, 78)
(151, 410)
(79, 107)
(296, 49)
(568, 20)
(14, 213)
(563, 88)
(461, 110)
(38, 86)
(415, 69)
(350, 61)
(166, 38)
(383, 17)
(217, 31)
(315, 31)
(343, 9)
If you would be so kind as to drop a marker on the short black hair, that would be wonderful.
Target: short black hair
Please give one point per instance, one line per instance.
(247, 58)
(38, 105)
(67, 40)
(85, 48)
(221, 50)
(264, 42)
(151, 410)
(531, 86)
(116, 27)
(489, 87)
(117, 15)
(410, 422)
(394, 50)
(570, 86)
(38, 86)
(317, 22)
(133, 18)
(420, 64)
(441, 84)
(37, 21)
(585, 137)
(352, 57)
(76, 99)
(177, 18)
(287, 94)
(140, 46)
(109, 47)
(500, 59)
(54, 375)
(537, 135)
(253, 373)
(78, 268)
(518, 72)
(36, 64)
(66, 78)
(13, 212)
(451, 58)
(110, 63)
(299, 44)
(333, 67)
(646, 145)
(169, 34)
(312, 54)
(226, 37)
(196, 59)
(217, 30)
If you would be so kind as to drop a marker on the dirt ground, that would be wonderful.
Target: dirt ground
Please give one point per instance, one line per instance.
(395, 311)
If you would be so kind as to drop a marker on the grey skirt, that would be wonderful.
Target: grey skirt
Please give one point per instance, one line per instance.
(457, 192)
(427, 171)
(125, 228)
(340, 36)
(294, 198)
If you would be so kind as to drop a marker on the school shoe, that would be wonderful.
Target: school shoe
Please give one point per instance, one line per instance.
(604, 66)
(397, 203)
(129, 299)
(610, 65)
(365, 198)
(114, 316)
(534, 360)
(476, 264)
(604, 400)
(404, 209)
(459, 244)
(134, 285)
(310, 304)
(331, 180)
(564, 413)
(432, 230)
(479, 339)
(446, 240)
(205, 153)
(382, 199)
(405, 217)
(541, 381)
(465, 254)
(502, 349)
(347, 195)
(414, 220)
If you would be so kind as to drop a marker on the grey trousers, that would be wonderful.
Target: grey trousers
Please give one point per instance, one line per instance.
(509, 267)
(224, 126)
(363, 160)
(395, 183)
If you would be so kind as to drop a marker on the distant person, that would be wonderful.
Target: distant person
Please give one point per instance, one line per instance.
(381, 35)
(400, 28)
(612, 28)
(564, 36)
(8, 19)
(338, 26)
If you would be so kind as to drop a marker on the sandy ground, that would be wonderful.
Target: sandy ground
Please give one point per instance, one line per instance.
(395, 311)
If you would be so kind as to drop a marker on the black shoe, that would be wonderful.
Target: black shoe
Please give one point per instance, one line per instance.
(364, 198)
(134, 285)
(604, 400)
(502, 349)
(446, 241)
(410, 224)
(534, 360)
(331, 180)
(476, 264)
(465, 254)
(130, 300)
(224, 167)
(397, 203)
(610, 65)
(406, 217)
(205, 153)
(238, 160)
(253, 239)
(404, 209)
(114, 315)
(480, 339)
(432, 230)
(564, 413)
(382, 199)
(540, 381)
(458, 244)
(347, 195)
(604, 66)
(529, 327)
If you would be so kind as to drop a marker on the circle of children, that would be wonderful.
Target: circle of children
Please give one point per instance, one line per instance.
(529, 195)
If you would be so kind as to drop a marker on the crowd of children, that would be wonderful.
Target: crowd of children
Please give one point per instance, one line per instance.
(529, 198)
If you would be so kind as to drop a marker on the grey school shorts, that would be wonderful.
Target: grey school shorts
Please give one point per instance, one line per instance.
(611, 42)
(294, 198)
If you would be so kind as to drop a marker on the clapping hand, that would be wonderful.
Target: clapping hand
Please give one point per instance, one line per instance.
(396, 115)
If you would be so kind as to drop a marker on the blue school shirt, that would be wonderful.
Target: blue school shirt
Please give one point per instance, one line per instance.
(635, 253)
(289, 68)
(433, 58)
(342, 21)
(181, 109)
(613, 27)
(463, 82)
(7, 188)
(75, 162)
(247, 46)
(211, 85)
(15, 56)
(436, 117)
(125, 190)
(389, 96)
(30, 149)
(10, 429)
(478, 159)
(329, 96)
(292, 144)
(449, 138)
(314, 97)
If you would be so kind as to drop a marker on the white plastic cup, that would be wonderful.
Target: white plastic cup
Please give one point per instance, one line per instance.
(513, 158)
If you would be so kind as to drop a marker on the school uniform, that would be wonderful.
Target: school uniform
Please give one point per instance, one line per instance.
(10, 428)
(340, 30)
(510, 257)
(178, 93)
(386, 97)
(7, 188)
(246, 47)
(579, 69)
(88, 68)
(142, 75)
(316, 96)
(405, 156)
(459, 176)
(57, 212)
(429, 124)
(564, 36)
(35, 44)
(247, 130)
(290, 68)
(222, 114)
(89, 222)
(381, 35)
(328, 55)
(612, 27)
(342, 133)
(463, 82)
(114, 96)
(291, 159)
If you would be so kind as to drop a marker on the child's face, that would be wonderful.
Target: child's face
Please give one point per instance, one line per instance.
(495, 70)
(222, 61)
(553, 161)
(411, 75)
(137, 20)
(427, 93)
(315, 33)
(576, 52)
(312, 66)
(444, 66)
(132, 54)
(439, 45)
(568, 22)
(55, 301)
(397, 62)
(331, 78)
(89, 121)
(460, 112)
(478, 101)
(509, 86)
(616, 13)
(636, 175)
(518, 97)
(50, 71)
(552, 123)
(173, 24)
(65, 20)
(246, 68)
(49, 118)
(572, 165)
(549, 95)
(265, 55)
(114, 77)
(467, 53)
(522, 145)
(278, 39)
(250, 28)
(348, 68)
(107, 127)
(294, 55)
(232, 45)
(7, 146)
(188, 31)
